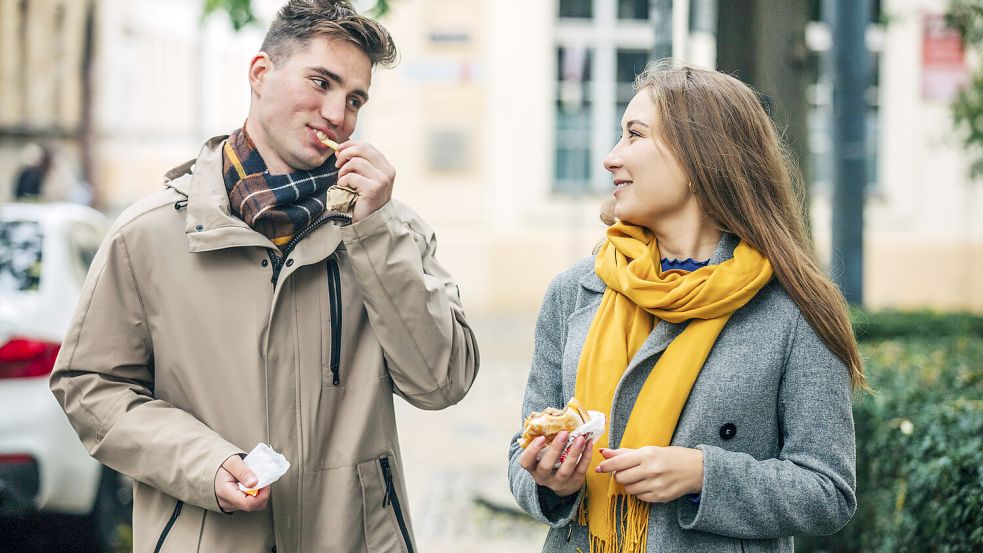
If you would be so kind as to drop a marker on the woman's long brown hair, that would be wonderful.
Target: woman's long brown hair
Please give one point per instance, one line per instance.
(745, 180)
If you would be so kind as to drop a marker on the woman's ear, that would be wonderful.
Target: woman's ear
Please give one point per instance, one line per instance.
(259, 67)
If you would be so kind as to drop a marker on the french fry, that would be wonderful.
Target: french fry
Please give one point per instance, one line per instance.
(330, 143)
(327, 141)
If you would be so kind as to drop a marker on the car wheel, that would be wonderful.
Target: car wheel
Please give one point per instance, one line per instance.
(98, 531)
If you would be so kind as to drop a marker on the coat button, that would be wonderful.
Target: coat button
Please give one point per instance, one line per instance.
(290, 262)
(264, 262)
(728, 431)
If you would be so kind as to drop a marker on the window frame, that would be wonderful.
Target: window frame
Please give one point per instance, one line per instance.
(604, 35)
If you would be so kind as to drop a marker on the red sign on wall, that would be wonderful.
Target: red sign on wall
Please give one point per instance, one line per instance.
(943, 60)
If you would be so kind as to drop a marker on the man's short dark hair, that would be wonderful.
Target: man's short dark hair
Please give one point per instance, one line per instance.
(298, 21)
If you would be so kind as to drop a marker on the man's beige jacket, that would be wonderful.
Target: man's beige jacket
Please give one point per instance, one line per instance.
(184, 351)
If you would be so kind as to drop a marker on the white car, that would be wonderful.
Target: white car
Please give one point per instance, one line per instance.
(46, 474)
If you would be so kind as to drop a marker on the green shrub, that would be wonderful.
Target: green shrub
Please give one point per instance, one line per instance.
(919, 447)
(880, 325)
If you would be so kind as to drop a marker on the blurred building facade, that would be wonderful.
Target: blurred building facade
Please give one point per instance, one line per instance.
(557, 76)
(45, 46)
(497, 120)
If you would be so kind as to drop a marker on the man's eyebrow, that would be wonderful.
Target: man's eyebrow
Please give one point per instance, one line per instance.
(332, 76)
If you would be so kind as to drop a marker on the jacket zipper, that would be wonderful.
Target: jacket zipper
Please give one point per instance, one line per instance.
(168, 526)
(334, 297)
(392, 498)
(278, 261)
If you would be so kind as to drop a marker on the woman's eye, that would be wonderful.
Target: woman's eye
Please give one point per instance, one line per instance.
(634, 134)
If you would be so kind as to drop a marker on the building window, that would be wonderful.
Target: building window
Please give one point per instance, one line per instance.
(449, 150)
(597, 61)
(577, 8)
(573, 120)
(630, 64)
(633, 9)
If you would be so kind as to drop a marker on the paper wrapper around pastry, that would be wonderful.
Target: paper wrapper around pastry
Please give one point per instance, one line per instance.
(341, 199)
(267, 465)
(550, 422)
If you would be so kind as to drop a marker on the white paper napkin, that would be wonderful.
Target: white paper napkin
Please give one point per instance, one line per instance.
(266, 464)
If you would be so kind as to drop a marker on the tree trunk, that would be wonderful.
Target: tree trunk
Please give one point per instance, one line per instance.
(762, 42)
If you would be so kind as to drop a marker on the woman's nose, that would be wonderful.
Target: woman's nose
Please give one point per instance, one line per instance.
(612, 161)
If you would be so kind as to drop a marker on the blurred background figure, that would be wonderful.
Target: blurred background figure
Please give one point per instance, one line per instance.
(45, 176)
(30, 180)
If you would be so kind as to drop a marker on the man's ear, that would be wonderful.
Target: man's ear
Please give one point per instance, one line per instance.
(260, 65)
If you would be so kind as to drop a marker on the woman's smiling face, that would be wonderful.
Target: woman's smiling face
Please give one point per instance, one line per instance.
(650, 183)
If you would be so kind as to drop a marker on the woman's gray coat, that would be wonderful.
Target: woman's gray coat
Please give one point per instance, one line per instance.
(770, 411)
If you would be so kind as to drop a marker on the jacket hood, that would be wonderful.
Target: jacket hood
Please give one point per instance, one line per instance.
(210, 224)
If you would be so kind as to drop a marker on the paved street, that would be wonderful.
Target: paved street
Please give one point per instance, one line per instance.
(456, 459)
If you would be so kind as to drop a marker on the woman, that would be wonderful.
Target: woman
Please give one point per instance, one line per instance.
(706, 331)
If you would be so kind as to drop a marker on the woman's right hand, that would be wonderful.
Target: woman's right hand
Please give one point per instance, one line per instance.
(569, 477)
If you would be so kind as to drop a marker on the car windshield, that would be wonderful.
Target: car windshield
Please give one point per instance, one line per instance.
(20, 255)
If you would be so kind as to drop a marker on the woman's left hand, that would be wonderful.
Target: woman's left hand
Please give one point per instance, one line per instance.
(655, 474)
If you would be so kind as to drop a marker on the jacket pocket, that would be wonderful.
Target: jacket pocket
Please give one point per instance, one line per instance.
(167, 527)
(393, 500)
(334, 307)
(759, 546)
(386, 525)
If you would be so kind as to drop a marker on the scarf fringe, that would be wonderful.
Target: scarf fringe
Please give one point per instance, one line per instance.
(629, 535)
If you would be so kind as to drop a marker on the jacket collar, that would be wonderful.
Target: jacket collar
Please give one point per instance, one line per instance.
(724, 251)
(210, 224)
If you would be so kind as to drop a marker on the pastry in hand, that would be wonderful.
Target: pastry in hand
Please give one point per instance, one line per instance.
(552, 421)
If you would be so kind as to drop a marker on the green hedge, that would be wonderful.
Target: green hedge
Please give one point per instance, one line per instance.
(880, 325)
(919, 438)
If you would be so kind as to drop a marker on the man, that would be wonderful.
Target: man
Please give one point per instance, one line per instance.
(233, 308)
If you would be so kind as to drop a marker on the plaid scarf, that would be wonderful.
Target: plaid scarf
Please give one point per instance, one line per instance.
(277, 206)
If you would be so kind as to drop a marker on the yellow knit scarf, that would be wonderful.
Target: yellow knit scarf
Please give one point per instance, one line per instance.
(638, 294)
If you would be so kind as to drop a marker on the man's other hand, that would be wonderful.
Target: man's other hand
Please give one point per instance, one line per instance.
(230, 497)
(364, 169)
